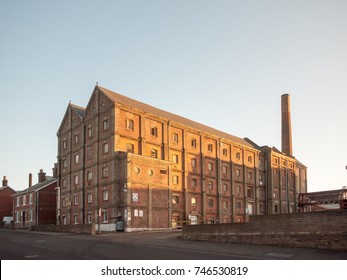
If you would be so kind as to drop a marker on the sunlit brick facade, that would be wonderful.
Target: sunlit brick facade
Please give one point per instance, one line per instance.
(123, 160)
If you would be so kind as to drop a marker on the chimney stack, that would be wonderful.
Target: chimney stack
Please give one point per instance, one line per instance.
(30, 180)
(286, 126)
(4, 182)
(42, 176)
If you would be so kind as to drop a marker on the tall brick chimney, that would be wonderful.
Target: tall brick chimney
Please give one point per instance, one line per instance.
(42, 176)
(4, 182)
(30, 180)
(286, 126)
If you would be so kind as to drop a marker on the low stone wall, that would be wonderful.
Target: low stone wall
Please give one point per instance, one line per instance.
(81, 229)
(326, 230)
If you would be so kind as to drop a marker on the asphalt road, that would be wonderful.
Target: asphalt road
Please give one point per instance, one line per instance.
(160, 245)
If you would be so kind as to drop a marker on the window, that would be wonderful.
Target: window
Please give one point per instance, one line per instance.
(250, 193)
(24, 199)
(75, 198)
(194, 182)
(105, 147)
(89, 153)
(76, 180)
(104, 216)
(104, 195)
(76, 159)
(225, 152)
(193, 201)
(64, 143)
(210, 148)
(175, 199)
(225, 170)
(193, 143)
(175, 138)
(106, 124)
(154, 153)
(193, 162)
(130, 148)
(105, 172)
(89, 197)
(17, 216)
(63, 201)
(64, 183)
(210, 203)
(175, 179)
(276, 208)
(75, 219)
(238, 156)
(64, 220)
(89, 218)
(154, 131)
(210, 166)
(238, 172)
(250, 175)
(89, 175)
(64, 163)
(250, 159)
(31, 198)
(135, 197)
(238, 189)
(18, 201)
(130, 124)
(90, 131)
(225, 187)
(225, 204)
(238, 205)
(210, 185)
(77, 138)
(175, 158)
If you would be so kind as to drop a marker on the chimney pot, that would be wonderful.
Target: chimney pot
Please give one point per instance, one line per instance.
(30, 180)
(4, 181)
(42, 176)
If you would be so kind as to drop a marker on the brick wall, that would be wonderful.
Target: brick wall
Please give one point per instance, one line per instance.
(326, 230)
(84, 229)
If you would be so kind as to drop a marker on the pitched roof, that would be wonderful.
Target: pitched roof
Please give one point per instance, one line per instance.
(121, 99)
(78, 109)
(37, 187)
(2, 188)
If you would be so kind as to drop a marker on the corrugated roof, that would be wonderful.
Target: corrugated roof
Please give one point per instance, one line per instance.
(121, 99)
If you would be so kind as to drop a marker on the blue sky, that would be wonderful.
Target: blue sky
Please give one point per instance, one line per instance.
(229, 60)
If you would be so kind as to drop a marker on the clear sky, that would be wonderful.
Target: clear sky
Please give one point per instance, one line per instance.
(221, 63)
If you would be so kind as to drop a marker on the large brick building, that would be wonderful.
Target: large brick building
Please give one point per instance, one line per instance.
(120, 159)
(6, 200)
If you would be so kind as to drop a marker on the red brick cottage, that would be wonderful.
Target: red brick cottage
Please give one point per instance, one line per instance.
(6, 200)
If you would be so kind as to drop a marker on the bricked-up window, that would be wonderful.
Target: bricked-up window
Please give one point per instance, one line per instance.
(193, 163)
(154, 153)
(106, 124)
(210, 166)
(75, 180)
(175, 158)
(130, 124)
(225, 152)
(250, 159)
(104, 195)
(194, 182)
(210, 148)
(175, 138)
(225, 170)
(194, 201)
(210, 202)
(225, 187)
(193, 143)
(175, 199)
(89, 197)
(154, 131)
(105, 147)
(130, 148)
